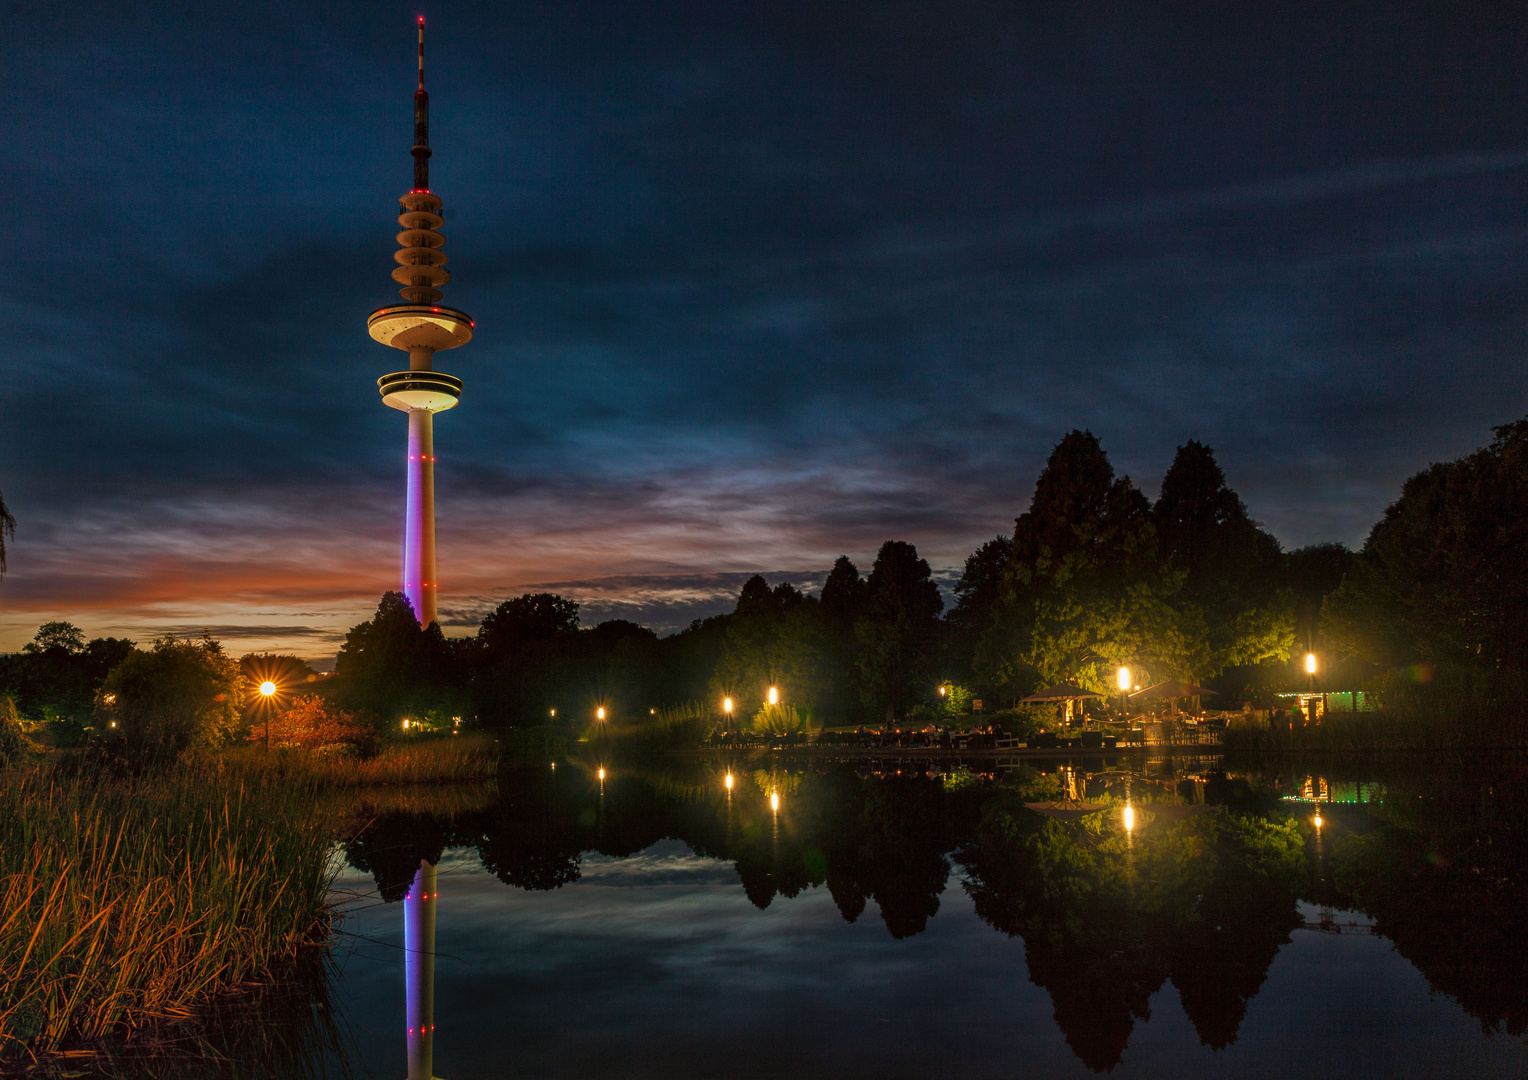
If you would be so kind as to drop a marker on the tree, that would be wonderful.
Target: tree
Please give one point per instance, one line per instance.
(898, 630)
(179, 694)
(56, 635)
(843, 596)
(976, 598)
(1315, 572)
(1440, 579)
(7, 530)
(774, 637)
(1085, 589)
(392, 665)
(1233, 571)
(529, 617)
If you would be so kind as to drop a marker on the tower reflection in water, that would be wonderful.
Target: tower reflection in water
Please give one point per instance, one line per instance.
(419, 964)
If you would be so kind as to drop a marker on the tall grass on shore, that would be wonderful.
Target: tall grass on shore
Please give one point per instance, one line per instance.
(126, 902)
(442, 760)
(667, 728)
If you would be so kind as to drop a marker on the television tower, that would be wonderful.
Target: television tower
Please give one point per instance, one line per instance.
(421, 327)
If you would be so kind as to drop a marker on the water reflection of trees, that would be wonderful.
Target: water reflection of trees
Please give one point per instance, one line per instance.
(1107, 917)
(1443, 870)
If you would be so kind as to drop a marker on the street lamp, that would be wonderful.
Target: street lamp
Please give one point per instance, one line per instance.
(1122, 680)
(599, 714)
(774, 696)
(267, 691)
(1310, 663)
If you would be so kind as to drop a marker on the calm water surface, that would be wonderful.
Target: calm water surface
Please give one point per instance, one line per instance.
(931, 926)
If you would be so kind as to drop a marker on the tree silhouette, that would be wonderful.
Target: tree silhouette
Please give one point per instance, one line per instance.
(898, 630)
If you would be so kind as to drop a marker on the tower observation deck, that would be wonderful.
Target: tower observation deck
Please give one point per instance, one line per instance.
(420, 326)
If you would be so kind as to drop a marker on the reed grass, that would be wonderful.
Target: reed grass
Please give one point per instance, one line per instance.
(443, 760)
(125, 903)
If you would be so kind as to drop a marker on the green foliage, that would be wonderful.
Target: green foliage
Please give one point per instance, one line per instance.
(1098, 577)
(177, 695)
(1439, 579)
(977, 593)
(56, 684)
(14, 743)
(1233, 572)
(781, 719)
(1085, 589)
(56, 635)
(775, 637)
(956, 701)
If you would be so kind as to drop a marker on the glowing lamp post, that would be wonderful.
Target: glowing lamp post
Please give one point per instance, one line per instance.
(728, 783)
(774, 696)
(267, 691)
(1122, 680)
(599, 714)
(774, 801)
(1129, 818)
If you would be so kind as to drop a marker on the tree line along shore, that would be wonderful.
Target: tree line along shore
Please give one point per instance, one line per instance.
(1428, 621)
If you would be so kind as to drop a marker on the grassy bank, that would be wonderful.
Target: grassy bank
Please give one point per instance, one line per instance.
(126, 902)
(443, 760)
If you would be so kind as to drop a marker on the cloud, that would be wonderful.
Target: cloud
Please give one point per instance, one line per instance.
(744, 302)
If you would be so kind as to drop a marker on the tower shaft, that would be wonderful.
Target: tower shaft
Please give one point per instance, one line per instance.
(421, 327)
(420, 584)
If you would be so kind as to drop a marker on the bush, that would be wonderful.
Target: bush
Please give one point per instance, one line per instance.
(313, 723)
(177, 695)
(956, 702)
(14, 743)
(778, 720)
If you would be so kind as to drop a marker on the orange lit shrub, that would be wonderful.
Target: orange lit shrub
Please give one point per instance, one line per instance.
(313, 723)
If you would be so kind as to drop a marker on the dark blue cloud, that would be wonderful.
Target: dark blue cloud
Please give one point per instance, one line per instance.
(754, 285)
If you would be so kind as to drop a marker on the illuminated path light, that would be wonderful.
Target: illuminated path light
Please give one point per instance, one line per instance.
(420, 327)
(419, 970)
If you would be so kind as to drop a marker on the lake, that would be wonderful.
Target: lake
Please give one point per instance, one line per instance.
(919, 919)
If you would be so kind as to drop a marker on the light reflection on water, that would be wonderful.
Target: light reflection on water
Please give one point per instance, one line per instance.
(711, 937)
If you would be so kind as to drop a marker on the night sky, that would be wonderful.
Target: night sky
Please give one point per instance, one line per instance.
(755, 285)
